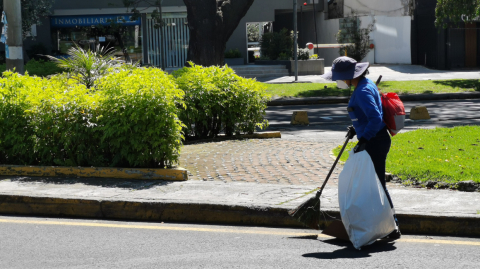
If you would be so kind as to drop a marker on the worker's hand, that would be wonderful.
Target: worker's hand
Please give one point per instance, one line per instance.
(351, 132)
(361, 145)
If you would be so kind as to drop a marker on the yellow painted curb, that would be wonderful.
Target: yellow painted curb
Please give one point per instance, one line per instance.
(179, 174)
(275, 134)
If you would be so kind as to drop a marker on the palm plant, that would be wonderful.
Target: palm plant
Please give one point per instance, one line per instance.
(86, 66)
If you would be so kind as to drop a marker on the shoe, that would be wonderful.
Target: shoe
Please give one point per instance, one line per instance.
(396, 234)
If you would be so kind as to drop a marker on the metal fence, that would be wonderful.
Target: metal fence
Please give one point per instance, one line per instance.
(175, 42)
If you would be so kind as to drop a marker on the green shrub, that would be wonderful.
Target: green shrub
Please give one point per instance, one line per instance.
(283, 56)
(39, 68)
(303, 54)
(42, 68)
(233, 53)
(15, 132)
(130, 120)
(218, 100)
(274, 43)
(139, 117)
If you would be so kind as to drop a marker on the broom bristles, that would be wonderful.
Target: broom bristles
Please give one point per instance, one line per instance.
(308, 212)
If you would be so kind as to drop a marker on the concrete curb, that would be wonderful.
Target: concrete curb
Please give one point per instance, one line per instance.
(222, 137)
(179, 174)
(258, 135)
(340, 100)
(210, 213)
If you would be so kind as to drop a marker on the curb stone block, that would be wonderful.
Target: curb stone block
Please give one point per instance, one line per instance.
(270, 134)
(419, 113)
(299, 118)
(178, 173)
(212, 213)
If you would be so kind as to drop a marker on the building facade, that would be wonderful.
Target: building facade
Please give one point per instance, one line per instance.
(403, 31)
(452, 48)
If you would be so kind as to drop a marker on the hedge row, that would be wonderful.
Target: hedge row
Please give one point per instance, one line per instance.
(217, 100)
(39, 68)
(133, 117)
(129, 120)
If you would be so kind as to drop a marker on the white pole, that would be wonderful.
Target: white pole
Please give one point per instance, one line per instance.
(13, 11)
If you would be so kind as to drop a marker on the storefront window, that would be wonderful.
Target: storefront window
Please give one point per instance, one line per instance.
(124, 35)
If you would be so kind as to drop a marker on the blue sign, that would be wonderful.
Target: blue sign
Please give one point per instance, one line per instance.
(92, 20)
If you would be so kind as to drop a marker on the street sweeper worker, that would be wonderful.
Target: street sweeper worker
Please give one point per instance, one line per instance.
(365, 111)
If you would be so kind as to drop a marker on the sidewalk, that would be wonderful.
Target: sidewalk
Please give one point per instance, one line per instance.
(389, 73)
(238, 182)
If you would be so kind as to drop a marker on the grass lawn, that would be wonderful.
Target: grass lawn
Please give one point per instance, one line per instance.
(446, 155)
(399, 87)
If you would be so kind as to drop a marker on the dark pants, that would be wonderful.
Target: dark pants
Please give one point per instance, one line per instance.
(378, 148)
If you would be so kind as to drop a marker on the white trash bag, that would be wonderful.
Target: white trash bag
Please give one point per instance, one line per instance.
(364, 207)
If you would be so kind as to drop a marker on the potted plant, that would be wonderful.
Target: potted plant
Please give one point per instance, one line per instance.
(233, 57)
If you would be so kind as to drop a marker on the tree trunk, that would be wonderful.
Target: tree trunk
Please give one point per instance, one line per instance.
(211, 23)
(118, 36)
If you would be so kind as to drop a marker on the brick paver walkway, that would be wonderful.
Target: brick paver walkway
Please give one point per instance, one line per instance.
(261, 160)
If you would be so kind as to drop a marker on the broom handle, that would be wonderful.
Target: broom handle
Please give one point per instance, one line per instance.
(319, 192)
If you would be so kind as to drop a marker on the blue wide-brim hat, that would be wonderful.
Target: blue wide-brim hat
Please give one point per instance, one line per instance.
(345, 68)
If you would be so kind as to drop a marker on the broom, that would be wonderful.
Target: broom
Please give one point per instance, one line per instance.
(308, 212)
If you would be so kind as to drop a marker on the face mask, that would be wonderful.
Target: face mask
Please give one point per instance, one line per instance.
(342, 85)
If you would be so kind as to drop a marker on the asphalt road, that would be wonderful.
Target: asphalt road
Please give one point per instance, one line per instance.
(64, 243)
(448, 112)
(330, 121)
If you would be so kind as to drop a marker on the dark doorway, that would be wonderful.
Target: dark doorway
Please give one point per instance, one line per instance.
(470, 45)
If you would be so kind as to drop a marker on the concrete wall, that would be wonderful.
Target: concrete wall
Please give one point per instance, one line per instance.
(377, 7)
(391, 38)
(327, 29)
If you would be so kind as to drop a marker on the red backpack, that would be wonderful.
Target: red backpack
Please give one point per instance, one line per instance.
(393, 111)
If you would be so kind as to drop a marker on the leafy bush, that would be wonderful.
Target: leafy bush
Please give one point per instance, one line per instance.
(350, 32)
(87, 66)
(283, 56)
(130, 120)
(218, 100)
(303, 54)
(274, 43)
(139, 117)
(39, 68)
(42, 68)
(233, 53)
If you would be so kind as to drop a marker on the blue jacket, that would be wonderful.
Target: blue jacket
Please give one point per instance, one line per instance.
(365, 109)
